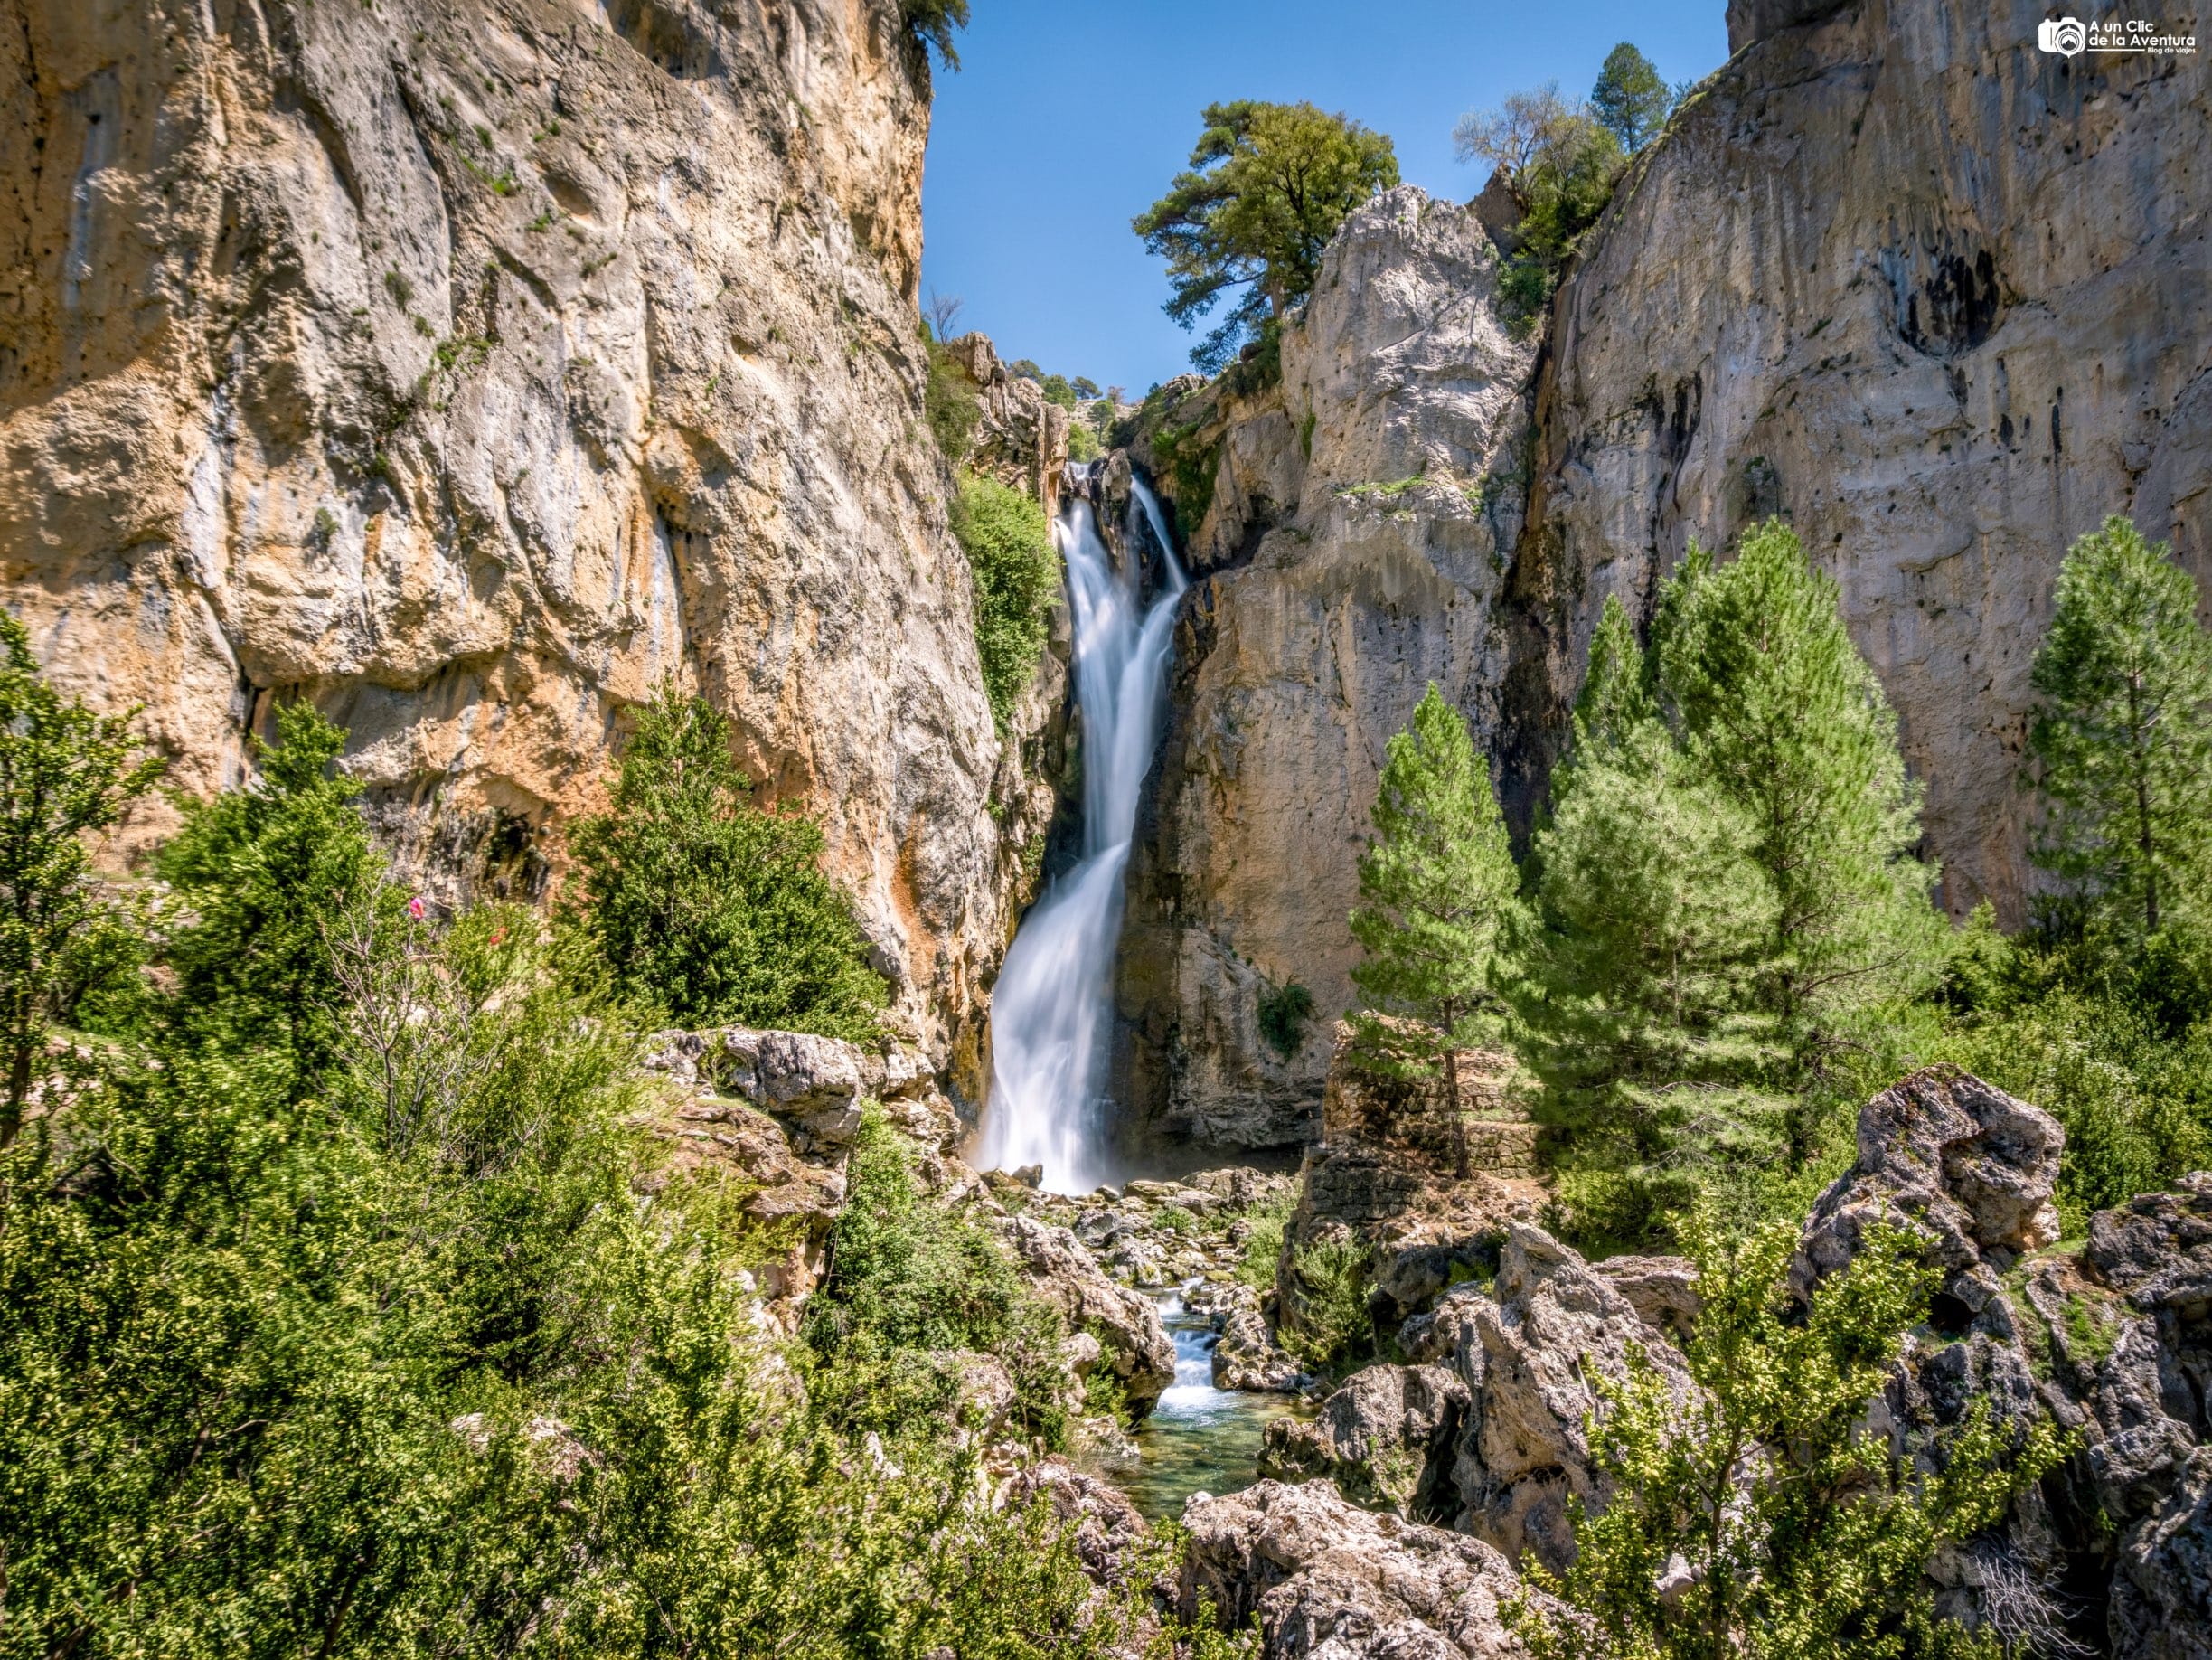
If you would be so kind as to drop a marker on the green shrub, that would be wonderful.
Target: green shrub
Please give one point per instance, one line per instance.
(1082, 442)
(1285, 1011)
(1263, 1244)
(907, 1280)
(692, 900)
(949, 404)
(1333, 1325)
(932, 23)
(1017, 577)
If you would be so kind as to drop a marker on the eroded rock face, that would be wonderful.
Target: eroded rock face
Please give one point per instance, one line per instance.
(473, 371)
(1933, 294)
(1136, 1345)
(1353, 551)
(1378, 1437)
(1960, 1159)
(1333, 1581)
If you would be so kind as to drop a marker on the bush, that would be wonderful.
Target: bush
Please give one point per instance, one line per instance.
(692, 902)
(1017, 577)
(1285, 1011)
(949, 404)
(1263, 1244)
(1333, 1323)
(909, 1280)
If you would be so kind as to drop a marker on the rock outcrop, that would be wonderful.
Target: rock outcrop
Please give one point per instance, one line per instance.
(472, 373)
(1933, 294)
(1379, 1438)
(1134, 1344)
(1352, 551)
(1328, 1580)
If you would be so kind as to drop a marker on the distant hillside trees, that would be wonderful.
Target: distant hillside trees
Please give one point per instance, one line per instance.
(1266, 188)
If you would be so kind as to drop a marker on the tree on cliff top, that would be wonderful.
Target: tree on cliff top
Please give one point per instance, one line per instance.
(932, 23)
(1630, 100)
(1266, 188)
(2124, 740)
(1436, 883)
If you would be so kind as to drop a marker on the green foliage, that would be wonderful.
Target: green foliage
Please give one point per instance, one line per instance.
(1017, 576)
(1285, 1011)
(2124, 738)
(1331, 1324)
(1726, 897)
(1191, 466)
(1263, 1241)
(950, 406)
(1436, 887)
(1266, 188)
(909, 1281)
(1779, 712)
(1802, 1536)
(67, 775)
(933, 24)
(1559, 161)
(694, 902)
(1082, 441)
(261, 873)
(1631, 100)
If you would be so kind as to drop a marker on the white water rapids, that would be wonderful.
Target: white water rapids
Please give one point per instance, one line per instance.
(1049, 1014)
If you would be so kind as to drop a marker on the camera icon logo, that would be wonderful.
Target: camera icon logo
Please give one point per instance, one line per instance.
(2064, 36)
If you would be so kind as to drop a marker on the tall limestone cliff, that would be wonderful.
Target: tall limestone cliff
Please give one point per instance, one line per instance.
(1933, 294)
(469, 367)
(1353, 548)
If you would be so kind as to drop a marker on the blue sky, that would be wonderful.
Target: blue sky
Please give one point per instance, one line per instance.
(1068, 119)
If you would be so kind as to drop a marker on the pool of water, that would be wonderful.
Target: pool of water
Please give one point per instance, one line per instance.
(1199, 1439)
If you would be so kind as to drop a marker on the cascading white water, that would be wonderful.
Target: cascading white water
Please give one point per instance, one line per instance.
(1049, 1012)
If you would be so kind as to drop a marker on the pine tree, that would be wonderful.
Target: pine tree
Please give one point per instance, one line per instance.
(1437, 884)
(1777, 709)
(2124, 736)
(66, 776)
(1638, 974)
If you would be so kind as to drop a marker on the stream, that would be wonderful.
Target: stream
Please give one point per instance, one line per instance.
(1198, 1439)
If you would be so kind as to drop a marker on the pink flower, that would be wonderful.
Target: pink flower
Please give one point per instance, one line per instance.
(417, 909)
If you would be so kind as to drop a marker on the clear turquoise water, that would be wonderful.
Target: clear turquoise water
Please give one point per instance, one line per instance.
(1199, 1439)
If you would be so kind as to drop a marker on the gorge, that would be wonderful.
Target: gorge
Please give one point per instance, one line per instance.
(487, 390)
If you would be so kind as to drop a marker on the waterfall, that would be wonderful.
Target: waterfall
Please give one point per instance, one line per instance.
(1050, 1012)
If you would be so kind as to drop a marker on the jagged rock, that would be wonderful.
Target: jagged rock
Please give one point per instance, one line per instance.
(1109, 1532)
(1501, 215)
(1247, 1356)
(1530, 1357)
(1334, 1582)
(2161, 1595)
(1963, 1160)
(1384, 1437)
(1361, 513)
(1127, 1326)
(1662, 1290)
(1021, 440)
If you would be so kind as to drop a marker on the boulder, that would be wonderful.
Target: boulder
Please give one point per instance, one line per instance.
(1109, 1532)
(1385, 1438)
(1136, 1345)
(1500, 213)
(1247, 1356)
(1967, 1163)
(1329, 1580)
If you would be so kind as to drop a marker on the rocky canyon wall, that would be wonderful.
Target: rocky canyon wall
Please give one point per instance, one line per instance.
(1933, 294)
(1354, 548)
(471, 366)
